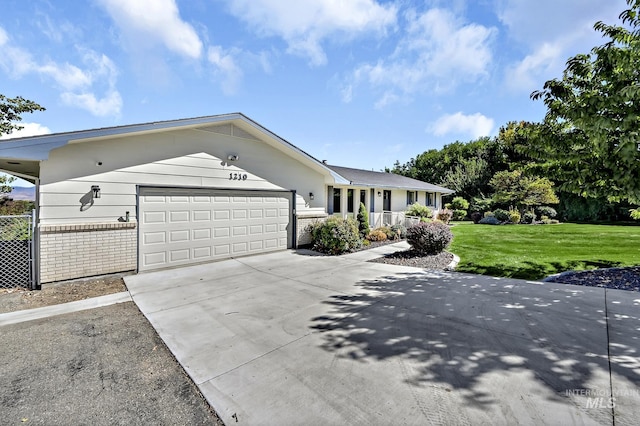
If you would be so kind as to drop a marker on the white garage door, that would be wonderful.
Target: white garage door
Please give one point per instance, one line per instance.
(180, 226)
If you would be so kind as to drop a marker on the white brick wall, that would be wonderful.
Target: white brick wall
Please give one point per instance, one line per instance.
(83, 250)
(304, 236)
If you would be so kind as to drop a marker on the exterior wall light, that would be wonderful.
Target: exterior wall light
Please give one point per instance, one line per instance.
(95, 189)
(379, 194)
(311, 196)
(232, 157)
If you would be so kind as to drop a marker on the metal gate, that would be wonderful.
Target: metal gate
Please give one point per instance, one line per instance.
(17, 266)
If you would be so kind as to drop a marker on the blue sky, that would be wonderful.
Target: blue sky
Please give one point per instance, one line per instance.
(360, 83)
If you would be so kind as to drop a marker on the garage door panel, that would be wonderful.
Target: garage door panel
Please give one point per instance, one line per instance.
(184, 226)
(221, 215)
(201, 215)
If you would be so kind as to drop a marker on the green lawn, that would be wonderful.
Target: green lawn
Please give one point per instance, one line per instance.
(535, 251)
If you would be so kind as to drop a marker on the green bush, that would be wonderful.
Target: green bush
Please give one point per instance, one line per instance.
(546, 211)
(488, 214)
(459, 214)
(417, 209)
(363, 220)
(445, 215)
(635, 213)
(528, 217)
(459, 203)
(335, 235)
(476, 216)
(377, 235)
(514, 216)
(501, 215)
(429, 238)
(399, 231)
(481, 204)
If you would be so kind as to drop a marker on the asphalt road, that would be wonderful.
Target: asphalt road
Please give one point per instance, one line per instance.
(105, 366)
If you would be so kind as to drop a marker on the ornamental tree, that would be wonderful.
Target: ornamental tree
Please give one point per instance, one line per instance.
(590, 136)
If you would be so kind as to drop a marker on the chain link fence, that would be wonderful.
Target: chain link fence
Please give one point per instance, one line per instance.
(16, 251)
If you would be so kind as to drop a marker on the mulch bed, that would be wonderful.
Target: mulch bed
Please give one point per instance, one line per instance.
(613, 278)
(411, 258)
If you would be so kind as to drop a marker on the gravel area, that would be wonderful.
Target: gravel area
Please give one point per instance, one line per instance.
(614, 278)
(411, 258)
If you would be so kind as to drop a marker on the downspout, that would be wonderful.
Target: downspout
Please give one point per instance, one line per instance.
(35, 268)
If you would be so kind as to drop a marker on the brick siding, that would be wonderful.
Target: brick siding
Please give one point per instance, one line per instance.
(83, 250)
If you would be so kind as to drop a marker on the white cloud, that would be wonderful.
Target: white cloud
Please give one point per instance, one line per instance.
(305, 25)
(225, 65)
(28, 129)
(108, 105)
(4, 38)
(437, 52)
(526, 74)
(474, 125)
(541, 29)
(77, 84)
(141, 20)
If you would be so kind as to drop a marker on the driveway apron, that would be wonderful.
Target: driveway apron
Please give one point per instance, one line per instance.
(293, 338)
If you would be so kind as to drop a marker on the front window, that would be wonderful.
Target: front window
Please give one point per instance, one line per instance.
(337, 192)
(412, 197)
(349, 200)
(429, 199)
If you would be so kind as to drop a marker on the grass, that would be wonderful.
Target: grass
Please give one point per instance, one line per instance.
(536, 251)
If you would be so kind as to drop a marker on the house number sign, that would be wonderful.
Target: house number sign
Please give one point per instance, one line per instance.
(237, 176)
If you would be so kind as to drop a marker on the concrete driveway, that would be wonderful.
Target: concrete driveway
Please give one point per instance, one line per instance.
(291, 338)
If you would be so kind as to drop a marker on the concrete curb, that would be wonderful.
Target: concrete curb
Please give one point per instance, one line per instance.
(64, 308)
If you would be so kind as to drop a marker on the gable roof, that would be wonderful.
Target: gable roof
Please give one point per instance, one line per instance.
(386, 180)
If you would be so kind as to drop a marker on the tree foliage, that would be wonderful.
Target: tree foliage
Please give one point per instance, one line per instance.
(5, 186)
(11, 110)
(524, 192)
(590, 134)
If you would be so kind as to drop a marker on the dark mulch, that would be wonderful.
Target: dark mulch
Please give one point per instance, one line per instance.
(411, 258)
(614, 278)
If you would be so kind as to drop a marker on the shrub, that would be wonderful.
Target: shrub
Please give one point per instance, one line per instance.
(514, 216)
(335, 235)
(481, 204)
(417, 209)
(635, 213)
(445, 215)
(501, 215)
(546, 211)
(377, 235)
(459, 214)
(489, 214)
(489, 220)
(363, 220)
(528, 217)
(399, 231)
(429, 238)
(476, 216)
(459, 203)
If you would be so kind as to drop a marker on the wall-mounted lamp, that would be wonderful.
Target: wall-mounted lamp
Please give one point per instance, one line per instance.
(379, 194)
(232, 157)
(96, 191)
(311, 195)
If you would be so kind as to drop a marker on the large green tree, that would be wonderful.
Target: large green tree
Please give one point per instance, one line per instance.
(11, 110)
(589, 140)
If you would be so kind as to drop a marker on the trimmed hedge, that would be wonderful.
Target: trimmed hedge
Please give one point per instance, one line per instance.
(335, 235)
(429, 238)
